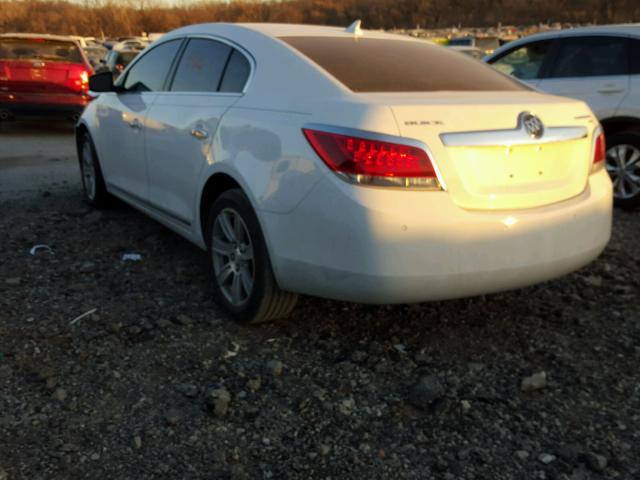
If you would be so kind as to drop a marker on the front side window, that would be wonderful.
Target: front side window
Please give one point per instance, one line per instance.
(390, 65)
(150, 72)
(524, 62)
(591, 56)
(201, 66)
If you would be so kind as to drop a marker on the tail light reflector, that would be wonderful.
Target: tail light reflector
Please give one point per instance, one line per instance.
(373, 162)
(599, 150)
(78, 79)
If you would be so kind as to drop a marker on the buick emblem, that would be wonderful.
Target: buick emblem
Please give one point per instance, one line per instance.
(532, 125)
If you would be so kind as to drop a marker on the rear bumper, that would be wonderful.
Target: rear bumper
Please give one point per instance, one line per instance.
(374, 245)
(43, 104)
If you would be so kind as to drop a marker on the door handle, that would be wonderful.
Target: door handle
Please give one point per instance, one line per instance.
(610, 89)
(135, 124)
(199, 133)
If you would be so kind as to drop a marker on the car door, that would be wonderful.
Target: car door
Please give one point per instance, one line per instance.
(209, 77)
(525, 62)
(123, 116)
(630, 105)
(594, 69)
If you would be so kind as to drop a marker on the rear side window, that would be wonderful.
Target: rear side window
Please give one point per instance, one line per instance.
(201, 66)
(236, 74)
(590, 56)
(150, 72)
(388, 65)
(524, 62)
(634, 56)
(39, 48)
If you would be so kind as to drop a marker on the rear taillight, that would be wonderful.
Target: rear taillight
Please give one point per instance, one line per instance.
(599, 150)
(79, 79)
(373, 162)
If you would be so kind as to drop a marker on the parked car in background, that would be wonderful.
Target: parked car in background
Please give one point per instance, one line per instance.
(600, 65)
(487, 44)
(304, 164)
(473, 52)
(116, 61)
(84, 41)
(131, 44)
(94, 54)
(42, 74)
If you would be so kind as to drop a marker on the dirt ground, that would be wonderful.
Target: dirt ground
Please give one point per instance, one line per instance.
(540, 383)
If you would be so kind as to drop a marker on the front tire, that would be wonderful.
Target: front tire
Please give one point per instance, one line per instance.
(93, 186)
(623, 165)
(243, 280)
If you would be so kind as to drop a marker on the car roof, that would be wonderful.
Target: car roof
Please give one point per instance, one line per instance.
(629, 29)
(275, 30)
(625, 30)
(45, 36)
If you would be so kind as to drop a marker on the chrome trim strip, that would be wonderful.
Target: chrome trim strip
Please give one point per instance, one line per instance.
(511, 137)
(366, 134)
(146, 203)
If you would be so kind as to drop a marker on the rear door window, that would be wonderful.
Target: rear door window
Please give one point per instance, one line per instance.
(149, 73)
(634, 56)
(590, 57)
(525, 62)
(389, 65)
(236, 74)
(201, 66)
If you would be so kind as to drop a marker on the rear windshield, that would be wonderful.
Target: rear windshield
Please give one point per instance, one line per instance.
(386, 65)
(126, 57)
(39, 48)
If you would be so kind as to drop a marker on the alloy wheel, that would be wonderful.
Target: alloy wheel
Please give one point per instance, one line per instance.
(623, 165)
(233, 256)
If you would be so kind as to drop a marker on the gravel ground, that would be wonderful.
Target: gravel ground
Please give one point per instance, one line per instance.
(541, 383)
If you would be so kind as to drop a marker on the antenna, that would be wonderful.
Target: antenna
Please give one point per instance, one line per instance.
(354, 28)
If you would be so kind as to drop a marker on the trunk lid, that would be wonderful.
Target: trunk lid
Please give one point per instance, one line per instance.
(37, 76)
(487, 157)
(31, 64)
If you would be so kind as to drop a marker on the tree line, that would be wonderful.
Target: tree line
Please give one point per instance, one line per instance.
(129, 17)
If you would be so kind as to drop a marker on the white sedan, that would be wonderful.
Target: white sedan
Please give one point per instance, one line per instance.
(347, 164)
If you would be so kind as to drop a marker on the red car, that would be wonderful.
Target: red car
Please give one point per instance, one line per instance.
(42, 75)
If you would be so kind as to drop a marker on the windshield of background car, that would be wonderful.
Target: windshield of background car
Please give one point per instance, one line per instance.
(126, 57)
(39, 48)
(388, 65)
(524, 62)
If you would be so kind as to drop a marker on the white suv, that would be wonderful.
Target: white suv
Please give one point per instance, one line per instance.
(600, 65)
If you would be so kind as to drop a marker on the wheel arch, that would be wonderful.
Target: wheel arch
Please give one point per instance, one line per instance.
(218, 183)
(80, 131)
(614, 125)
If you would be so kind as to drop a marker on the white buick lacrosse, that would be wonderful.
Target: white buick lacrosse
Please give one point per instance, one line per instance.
(347, 164)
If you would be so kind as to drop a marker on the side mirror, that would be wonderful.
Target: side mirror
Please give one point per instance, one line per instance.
(101, 82)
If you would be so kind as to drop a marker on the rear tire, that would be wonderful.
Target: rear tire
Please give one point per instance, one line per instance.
(623, 165)
(243, 280)
(93, 186)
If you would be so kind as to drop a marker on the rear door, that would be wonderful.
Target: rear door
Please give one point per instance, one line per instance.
(123, 119)
(210, 77)
(630, 106)
(594, 69)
